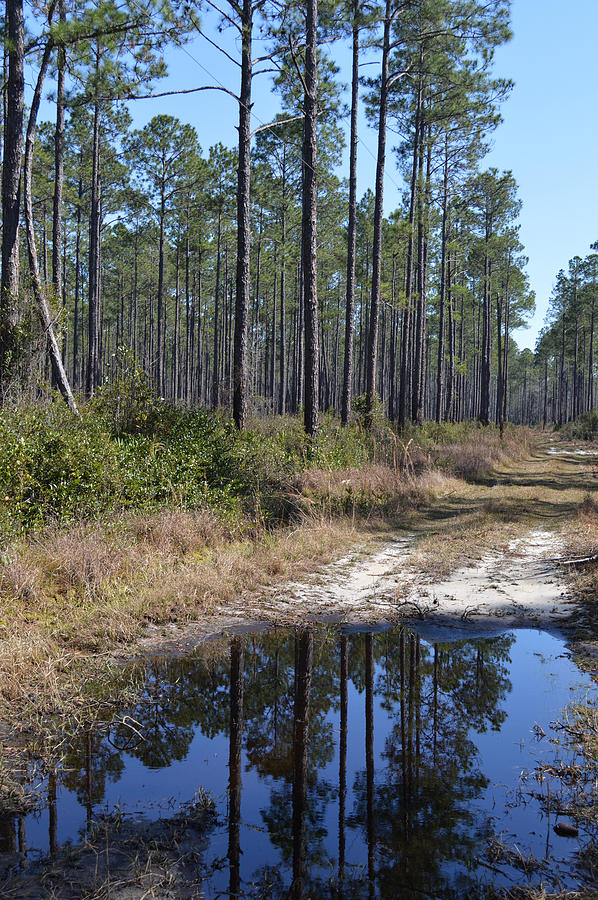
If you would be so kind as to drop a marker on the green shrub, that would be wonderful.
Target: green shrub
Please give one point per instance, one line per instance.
(128, 404)
(129, 451)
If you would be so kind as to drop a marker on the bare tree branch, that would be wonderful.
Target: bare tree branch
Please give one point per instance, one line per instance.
(272, 125)
(202, 34)
(296, 64)
(129, 96)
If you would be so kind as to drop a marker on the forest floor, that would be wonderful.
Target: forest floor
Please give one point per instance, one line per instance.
(512, 549)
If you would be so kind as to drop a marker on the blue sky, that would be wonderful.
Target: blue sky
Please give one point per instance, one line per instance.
(549, 136)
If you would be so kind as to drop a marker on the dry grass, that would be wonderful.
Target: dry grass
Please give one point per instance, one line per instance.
(472, 461)
(582, 543)
(470, 456)
(476, 457)
(583, 536)
(18, 580)
(375, 487)
(82, 561)
(177, 531)
(94, 590)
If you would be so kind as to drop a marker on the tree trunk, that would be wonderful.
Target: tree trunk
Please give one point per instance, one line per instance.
(372, 361)
(500, 383)
(485, 360)
(76, 380)
(590, 401)
(11, 186)
(450, 381)
(93, 305)
(215, 373)
(38, 290)
(58, 172)
(159, 377)
(282, 387)
(440, 380)
(272, 371)
(575, 410)
(188, 320)
(176, 339)
(309, 223)
(352, 227)
(392, 367)
(407, 329)
(418, 318)
(505, 368)
(562, 372)
(240, 361)
(545, 409)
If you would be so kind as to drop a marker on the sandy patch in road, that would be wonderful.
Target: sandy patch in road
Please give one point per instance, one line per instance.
(518, 585)
(521, 584)
(358, 587)
(404, 579)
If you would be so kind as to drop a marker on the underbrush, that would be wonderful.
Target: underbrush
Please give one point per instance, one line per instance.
(465, 450)
(585, 428)
(55, 469)
(58, 470)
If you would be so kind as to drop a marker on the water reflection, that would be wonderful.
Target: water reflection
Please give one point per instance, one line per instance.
(353, 765)
(237, 658)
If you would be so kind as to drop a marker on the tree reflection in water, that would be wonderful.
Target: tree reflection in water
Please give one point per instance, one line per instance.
(237, 659)
(358, 751)
(423, 799)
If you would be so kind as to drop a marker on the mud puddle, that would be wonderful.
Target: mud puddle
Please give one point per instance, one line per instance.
(319, 763)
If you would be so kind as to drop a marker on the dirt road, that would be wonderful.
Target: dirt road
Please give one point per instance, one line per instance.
(487, 553)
